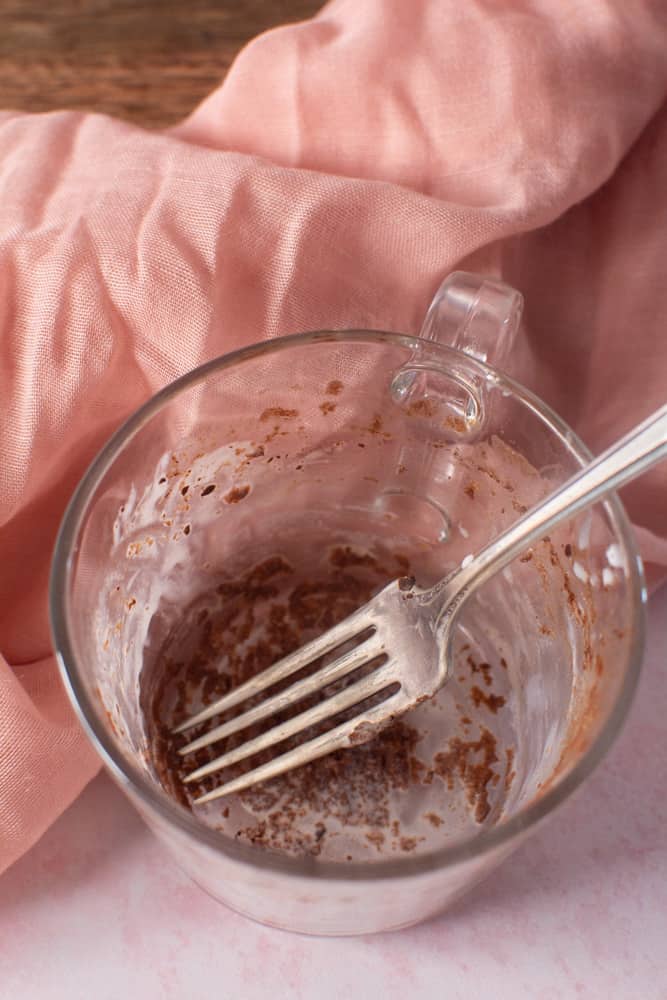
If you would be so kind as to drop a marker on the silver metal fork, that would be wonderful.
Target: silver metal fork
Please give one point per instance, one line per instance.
(403, 632)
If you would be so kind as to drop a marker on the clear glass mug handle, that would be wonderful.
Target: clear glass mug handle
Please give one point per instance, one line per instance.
(476, 315)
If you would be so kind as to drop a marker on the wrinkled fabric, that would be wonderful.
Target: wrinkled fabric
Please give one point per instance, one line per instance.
(345, 166)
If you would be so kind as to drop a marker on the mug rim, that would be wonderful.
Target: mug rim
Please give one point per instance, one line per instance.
(135, 783)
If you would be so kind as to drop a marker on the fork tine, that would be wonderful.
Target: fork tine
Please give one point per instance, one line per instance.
(345, 664)
(352, 695)
(346, 631)
(319, 746)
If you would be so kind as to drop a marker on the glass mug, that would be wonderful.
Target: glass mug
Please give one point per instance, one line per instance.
(303, 473)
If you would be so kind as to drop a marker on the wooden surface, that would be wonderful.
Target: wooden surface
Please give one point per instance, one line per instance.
(148, 61)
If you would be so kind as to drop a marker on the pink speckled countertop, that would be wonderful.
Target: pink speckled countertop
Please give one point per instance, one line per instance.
(98, 910)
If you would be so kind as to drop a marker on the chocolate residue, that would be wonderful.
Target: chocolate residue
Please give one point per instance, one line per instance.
(327, 407)
(457, 424)
(481, 668)
(475, 775)
(510, 773)
(243, 625)
(334, 388)
(492, 701)
(344, 556)
(275, 412)
(364, 732)
(236, 494)
(351, 787)
(422, 408)
(249, 623)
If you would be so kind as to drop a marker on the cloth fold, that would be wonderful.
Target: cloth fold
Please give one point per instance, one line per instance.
(342, 169)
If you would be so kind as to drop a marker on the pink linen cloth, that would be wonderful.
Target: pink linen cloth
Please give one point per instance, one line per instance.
(342, 169)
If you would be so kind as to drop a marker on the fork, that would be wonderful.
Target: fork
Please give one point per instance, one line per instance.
(404, 632)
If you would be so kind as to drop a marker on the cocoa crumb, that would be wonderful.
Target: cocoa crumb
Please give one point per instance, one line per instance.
(408, 843)
(327, 407)
(568, 550)
(434, 819)
(470, 490)
(207, 490)
(186, 529)
(334, 388)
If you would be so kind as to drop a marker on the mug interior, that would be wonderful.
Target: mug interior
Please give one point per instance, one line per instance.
(268, 492)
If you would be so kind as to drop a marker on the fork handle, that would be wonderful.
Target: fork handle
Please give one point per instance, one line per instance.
(640, 449)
